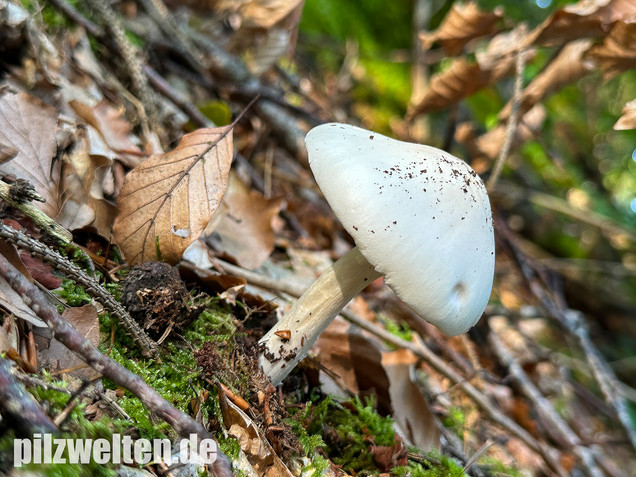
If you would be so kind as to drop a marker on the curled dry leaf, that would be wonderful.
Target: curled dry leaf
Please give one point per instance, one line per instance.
(583, 19)
(566, 68)
(112, 128)
(167, 201)
(617, 53)
(462, 24)
(246, 230)
(462, 78)
(628, 119)
(410, 408)
(459, 81)
(258, 13)
(28, 126)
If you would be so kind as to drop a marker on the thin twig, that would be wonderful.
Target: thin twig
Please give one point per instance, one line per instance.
(132, 58)
(574, 322)
(511, 127)
(148, 347)
(182, 423)
(420, 350)
(18, 407)
(557, 427)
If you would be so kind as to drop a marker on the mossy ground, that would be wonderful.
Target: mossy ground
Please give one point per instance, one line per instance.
(216, 347)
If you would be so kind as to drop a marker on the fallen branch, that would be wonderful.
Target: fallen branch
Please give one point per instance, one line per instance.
(422, 351)
(557, 427)
(12, 195)
(19, 408)
(148, 347)
(183, 424)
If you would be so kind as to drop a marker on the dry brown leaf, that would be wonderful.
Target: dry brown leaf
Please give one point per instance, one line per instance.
(489, 144)
(459, 81)
(113, 129)
(617, 53)
(566, 68)
(245, 232)
(53, 355)
(582, 20)
(11, 300)
(7, 153)
(628, 119)
(355, 359)
(258, 13)
(87, 178)
(410, 408)
(462, 24)
(28, 126)
(167, 201)
(257, 449)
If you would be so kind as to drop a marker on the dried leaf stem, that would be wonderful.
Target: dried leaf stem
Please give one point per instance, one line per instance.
(182, 423)
(148, 347)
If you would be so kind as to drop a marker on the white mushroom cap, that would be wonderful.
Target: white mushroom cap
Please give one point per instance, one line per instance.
(419, 215)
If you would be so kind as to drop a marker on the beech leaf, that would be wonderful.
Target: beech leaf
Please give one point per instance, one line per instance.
(246, 231)
(167, 201)
(617, 53)
(628, 119)
(28, 127)
(582, 19)
(459, 81)
(462, 24)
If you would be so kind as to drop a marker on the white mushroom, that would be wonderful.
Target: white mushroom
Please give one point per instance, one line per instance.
(418, 215)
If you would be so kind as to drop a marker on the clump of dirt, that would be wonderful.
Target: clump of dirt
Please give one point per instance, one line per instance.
(157, 298)
(239, 369)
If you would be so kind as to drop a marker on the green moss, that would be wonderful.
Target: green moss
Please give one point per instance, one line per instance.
(455, 420)
(176, 378)
(398, 328)
(76, 426)
(73, 294)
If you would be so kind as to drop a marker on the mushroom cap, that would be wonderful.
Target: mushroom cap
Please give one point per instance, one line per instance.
(418, 214)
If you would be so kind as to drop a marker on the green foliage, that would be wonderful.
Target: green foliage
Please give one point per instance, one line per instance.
(455, 420)
(76, 426)
(398, 328)
(437, 466)
(176, 377)
(74, 294)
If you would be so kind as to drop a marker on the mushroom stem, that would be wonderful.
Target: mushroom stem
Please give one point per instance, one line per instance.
(312, 313)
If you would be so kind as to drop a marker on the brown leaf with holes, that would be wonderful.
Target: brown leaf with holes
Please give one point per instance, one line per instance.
(28, 127)
(462, 24)
(167, 201)
(584, 19)
(246, 230)
(617, 53)
(628, 119)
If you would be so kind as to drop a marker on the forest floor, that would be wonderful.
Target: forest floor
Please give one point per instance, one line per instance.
(167, 294)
